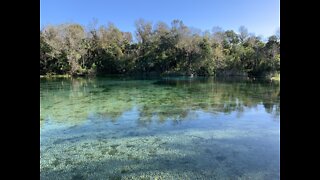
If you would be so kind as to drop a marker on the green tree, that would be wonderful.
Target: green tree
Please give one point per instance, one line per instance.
(72, 49)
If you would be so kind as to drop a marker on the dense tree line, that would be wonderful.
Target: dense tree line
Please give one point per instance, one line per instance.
(158, 49)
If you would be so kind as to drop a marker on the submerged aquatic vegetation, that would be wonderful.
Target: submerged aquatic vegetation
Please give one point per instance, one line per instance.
(143, 129)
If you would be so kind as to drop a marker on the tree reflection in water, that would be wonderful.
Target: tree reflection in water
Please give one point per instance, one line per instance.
(72, 101)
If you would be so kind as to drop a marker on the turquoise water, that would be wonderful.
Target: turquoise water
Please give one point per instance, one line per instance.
(165, 128)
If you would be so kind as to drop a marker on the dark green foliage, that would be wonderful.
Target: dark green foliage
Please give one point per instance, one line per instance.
(160, 49)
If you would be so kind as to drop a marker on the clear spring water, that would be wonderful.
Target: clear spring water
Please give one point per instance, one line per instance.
(165, 128)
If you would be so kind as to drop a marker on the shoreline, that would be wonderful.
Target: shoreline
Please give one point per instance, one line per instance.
(55, 76)
(272, 78)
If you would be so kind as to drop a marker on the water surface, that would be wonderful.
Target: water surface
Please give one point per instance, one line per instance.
(165, 128)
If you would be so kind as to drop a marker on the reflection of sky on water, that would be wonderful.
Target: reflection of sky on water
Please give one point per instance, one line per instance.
(176, 128)
(73, 102)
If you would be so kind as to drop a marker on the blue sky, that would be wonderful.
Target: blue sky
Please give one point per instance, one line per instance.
(261, 17)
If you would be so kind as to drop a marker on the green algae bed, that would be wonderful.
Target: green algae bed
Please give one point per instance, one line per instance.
(165, 128)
